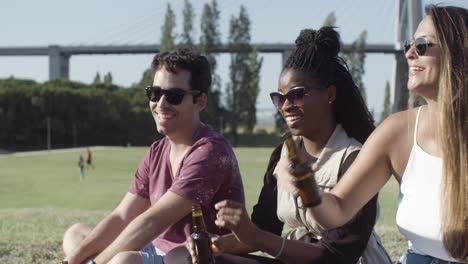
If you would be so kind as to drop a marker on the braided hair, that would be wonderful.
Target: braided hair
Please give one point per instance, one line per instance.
(316, 54)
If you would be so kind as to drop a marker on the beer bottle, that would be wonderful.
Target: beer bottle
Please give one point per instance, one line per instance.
(201, 238)
(308, 190)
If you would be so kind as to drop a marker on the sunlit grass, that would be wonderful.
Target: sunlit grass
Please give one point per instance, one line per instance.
(41, 195)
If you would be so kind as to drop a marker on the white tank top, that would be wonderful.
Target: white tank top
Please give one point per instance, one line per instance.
(418, 214)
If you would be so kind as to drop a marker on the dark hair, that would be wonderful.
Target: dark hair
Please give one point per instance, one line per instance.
(188, 59)
(451, 26)
(316, 54)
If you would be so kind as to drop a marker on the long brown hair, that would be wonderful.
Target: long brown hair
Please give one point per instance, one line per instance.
(451, 24)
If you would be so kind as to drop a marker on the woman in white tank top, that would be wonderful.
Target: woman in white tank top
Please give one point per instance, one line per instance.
(426, 149)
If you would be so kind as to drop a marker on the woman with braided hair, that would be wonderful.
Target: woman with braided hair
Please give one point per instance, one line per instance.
(329, 121)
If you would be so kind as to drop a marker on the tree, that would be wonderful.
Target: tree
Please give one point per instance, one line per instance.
(250, 94)
(187, 32)
(146, 79)
(210, 37)
(96, 116)
(167, 38)
(330, 20)
(355, 60)
(108, 78)
(210, 41)
(167, 43)
(387, 105)
(97, 78)
(237, 88)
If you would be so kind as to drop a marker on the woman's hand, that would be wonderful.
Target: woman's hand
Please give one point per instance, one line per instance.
(287, 173)
(233, 216)
(285, 176)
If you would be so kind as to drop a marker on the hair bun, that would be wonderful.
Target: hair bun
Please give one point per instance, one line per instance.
(325, 40)
(306, 37)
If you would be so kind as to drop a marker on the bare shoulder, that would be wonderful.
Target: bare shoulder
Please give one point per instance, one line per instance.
(398, 123)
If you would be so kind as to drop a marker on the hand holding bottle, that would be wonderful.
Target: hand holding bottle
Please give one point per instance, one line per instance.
(216, 247)
(200, 237)
(296, 176)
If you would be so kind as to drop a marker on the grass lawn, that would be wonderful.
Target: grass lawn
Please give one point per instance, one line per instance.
(41, 195)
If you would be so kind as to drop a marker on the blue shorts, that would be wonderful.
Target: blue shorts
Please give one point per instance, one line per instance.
(149, 255)
(413, 258)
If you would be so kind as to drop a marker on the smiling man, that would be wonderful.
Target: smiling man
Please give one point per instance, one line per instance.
(192, 164)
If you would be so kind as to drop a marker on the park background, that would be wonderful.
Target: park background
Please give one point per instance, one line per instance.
(103, 104)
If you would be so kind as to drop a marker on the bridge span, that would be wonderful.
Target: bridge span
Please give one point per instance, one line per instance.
(59, 56)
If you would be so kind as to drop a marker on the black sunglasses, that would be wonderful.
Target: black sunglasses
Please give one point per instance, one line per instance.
(295, 96)
(421, 45)
(174, 95)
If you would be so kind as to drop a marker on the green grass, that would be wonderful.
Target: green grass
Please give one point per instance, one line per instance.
(41, 195)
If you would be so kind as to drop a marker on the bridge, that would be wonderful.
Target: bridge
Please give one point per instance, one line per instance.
(409, 15)
(59, 56)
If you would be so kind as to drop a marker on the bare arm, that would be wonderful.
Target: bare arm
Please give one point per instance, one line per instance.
(230, 244)
(148, 225)
(222, 244)
(109, 228)
(366, 176)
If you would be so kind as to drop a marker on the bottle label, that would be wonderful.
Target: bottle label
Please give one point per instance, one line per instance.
(305, 176)
(197, 214)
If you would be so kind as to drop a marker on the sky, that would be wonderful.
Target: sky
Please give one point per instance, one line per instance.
(120, 22)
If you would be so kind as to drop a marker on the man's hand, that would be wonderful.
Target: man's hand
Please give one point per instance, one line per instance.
(232, 215)
(73, 260)
(216, 247)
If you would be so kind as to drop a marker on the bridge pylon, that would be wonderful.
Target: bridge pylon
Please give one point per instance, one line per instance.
(59, 63)
(408, 17)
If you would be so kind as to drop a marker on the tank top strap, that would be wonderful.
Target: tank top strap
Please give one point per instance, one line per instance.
(416, 126)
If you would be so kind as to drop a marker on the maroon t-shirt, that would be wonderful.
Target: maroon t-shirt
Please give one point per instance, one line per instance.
(208, 173)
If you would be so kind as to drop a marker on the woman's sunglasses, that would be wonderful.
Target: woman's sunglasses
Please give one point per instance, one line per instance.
(174, 95)
(295, 96)
(421, 45)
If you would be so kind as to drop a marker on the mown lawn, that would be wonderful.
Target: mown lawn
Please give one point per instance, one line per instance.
(41, 195)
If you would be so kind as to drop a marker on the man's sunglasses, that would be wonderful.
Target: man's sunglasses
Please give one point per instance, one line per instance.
(421, 45)
(174, 95)
(295, 96)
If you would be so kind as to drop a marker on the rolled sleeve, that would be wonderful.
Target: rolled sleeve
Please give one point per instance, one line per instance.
(140, 183)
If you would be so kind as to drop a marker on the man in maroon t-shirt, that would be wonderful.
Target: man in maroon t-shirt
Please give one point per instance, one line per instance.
(191, 165)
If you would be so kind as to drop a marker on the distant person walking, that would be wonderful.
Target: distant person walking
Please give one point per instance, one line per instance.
(81, 166)
(89, 162)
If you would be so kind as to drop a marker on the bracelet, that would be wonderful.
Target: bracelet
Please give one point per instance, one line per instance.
(281, 249)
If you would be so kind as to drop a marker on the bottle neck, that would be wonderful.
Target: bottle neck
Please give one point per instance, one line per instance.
(293, 151)
(198, 222)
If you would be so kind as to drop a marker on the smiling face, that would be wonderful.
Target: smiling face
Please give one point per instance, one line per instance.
(173, 120)
(308, 118)
(424, 70)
